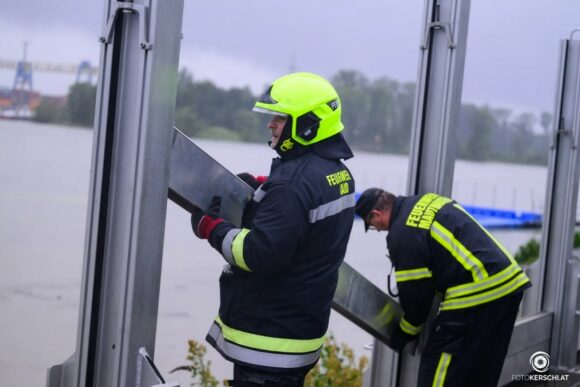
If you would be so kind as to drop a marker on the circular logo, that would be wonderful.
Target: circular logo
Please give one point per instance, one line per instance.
(540, 361)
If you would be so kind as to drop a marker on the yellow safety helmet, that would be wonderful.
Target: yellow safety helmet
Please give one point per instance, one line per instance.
(309, 101)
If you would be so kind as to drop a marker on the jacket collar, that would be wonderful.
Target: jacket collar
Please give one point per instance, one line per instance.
(332, 148)
(397, 208)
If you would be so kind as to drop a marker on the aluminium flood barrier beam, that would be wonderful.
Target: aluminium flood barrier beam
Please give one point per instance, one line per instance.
(559, 220)
(127, 203)
(432, 157)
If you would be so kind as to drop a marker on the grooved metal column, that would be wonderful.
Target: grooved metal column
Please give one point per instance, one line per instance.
(128, 194)
(436, 112)
(438, 96)
(560, 213)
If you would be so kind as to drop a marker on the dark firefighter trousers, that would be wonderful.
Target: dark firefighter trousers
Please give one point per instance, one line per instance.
(252, 377)
(467, 347)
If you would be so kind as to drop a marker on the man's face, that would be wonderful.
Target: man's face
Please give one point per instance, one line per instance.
(378, 220)
(276, 125)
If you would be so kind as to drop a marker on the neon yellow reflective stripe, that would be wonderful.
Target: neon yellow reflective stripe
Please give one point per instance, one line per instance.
(441, 371)
(467, 302)
(414, 274)
(409, 328)
(498, 243)
(238, 249)
(267, 343)
(456, 248)
(494, 280)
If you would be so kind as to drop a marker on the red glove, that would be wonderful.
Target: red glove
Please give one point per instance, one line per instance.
(203, 224)
(251, 180)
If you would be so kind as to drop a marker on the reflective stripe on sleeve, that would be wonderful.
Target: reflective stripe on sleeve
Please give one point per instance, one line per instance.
(238, 249)
(263, 350)
(441, 372)
(457, 250)
(227, 245)
(233, 247)
(332, 208)
(259, 194)
(413, 274)
(409, 328)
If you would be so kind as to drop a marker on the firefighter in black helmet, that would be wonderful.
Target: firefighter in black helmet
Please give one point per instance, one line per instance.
(436, 246)
(277, 288)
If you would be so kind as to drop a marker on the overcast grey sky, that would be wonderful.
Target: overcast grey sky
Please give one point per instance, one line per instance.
(511, 57)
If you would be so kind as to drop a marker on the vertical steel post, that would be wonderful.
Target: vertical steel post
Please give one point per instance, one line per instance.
(435, 116)
(560, 213)
(128, 194)
(438, 96)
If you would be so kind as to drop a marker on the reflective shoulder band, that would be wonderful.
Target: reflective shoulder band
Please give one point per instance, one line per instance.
(446, 239)
(498, 243)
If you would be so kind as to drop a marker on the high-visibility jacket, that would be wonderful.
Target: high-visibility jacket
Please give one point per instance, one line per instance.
(277, 290)
(436, 246)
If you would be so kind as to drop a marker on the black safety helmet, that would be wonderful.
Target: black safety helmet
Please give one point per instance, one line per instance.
(366, 202)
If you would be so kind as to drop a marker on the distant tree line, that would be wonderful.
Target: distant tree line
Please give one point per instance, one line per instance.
(377, 115)
(78, 110)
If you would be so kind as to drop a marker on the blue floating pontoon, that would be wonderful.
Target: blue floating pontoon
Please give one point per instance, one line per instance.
(496, 218)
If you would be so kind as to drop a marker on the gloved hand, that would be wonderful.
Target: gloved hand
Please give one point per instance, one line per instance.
(204, 223)
(251, 180)
(399, 339)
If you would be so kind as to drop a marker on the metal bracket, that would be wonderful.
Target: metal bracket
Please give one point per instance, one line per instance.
(147, 373)
(438, 26)
(562, 132)
(139, 9)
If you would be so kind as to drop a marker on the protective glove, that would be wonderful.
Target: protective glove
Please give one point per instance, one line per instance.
(400, 338)
(204, 223)
(251, 180)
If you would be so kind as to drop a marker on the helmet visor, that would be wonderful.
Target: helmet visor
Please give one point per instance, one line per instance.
(268, 111)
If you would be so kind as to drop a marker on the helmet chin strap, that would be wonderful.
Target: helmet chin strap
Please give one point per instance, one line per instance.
(296, 150)
(286, 134)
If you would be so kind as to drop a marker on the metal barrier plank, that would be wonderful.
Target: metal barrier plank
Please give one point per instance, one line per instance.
(191, 168)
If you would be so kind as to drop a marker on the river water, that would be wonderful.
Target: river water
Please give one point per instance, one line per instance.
(44, 177)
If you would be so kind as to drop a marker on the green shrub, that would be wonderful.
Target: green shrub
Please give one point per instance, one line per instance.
(337, 367)
(529, 252)
(199, 368)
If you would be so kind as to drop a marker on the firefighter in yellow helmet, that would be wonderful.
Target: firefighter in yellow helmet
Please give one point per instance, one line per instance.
(277, 288)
